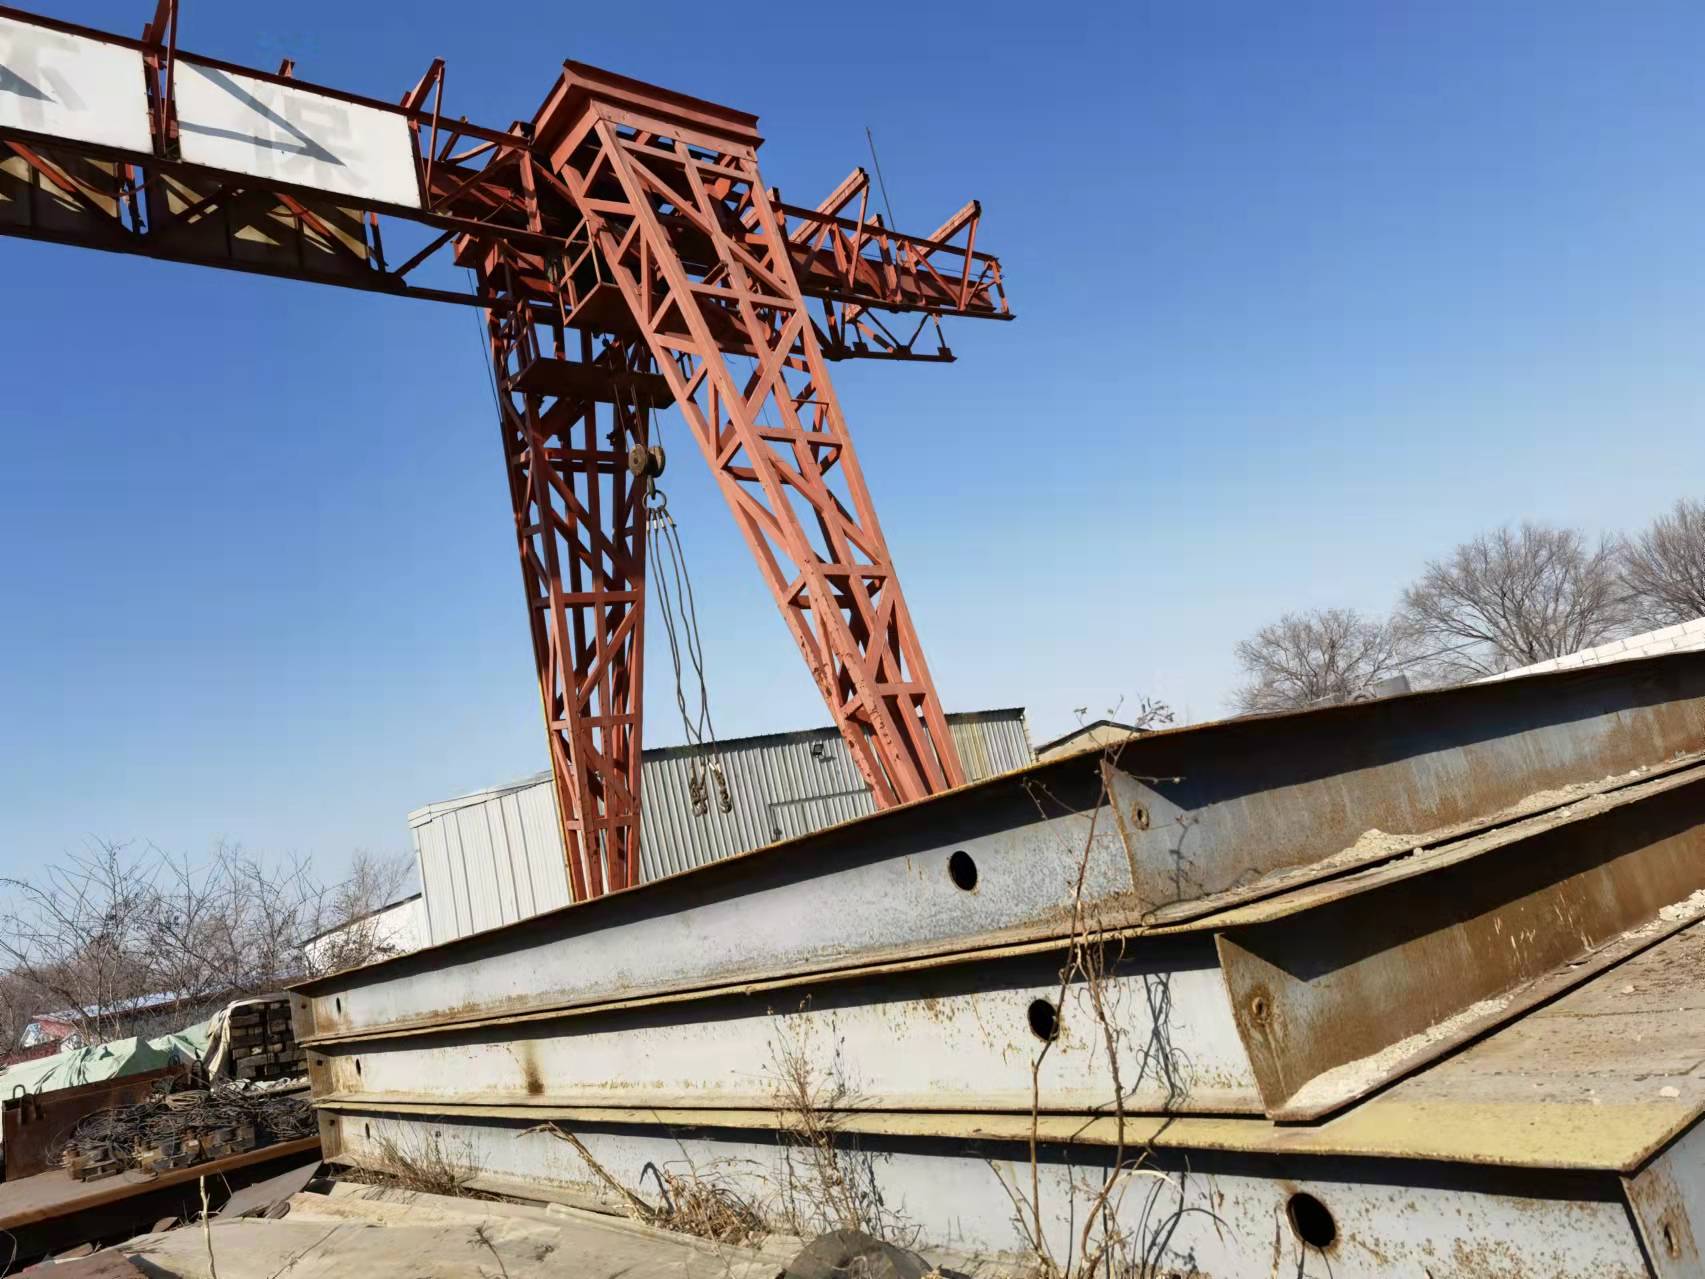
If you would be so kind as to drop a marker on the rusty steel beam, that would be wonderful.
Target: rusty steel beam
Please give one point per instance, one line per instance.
(1355, 894)
(35, 1126)
(571, 421)
(684, 229)
(1344, 985)
(1193, 1211)
(1195, 822)
(1566, 1144)
(1317, 997)
(964, 1026)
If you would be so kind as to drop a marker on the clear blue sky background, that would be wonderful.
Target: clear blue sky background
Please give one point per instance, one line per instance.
(1307, 294)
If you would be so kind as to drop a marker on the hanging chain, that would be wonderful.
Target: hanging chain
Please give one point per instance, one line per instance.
(681, 623)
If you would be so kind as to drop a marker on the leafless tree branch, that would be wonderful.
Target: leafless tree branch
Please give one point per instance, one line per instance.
(1514, 597)
(125, 941)
(1663, 568)
(1328, 655)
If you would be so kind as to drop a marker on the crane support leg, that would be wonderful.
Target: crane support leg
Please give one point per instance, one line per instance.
(569, 426)
(690, 234)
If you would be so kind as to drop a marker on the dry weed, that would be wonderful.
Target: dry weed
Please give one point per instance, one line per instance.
(1102, 1245)
(828, 1182)
(693, 1203)
(428, 1164)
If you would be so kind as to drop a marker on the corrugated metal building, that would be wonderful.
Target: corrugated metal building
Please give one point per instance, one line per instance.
(495, 856)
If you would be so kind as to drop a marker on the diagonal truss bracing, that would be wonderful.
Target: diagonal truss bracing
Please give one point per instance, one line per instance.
(690, 235)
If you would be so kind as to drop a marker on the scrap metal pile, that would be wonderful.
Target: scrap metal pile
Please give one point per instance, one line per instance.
(175, 1129)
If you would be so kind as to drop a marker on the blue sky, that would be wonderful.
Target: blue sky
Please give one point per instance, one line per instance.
(1307, 294)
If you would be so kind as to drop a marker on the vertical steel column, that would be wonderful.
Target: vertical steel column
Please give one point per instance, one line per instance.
(580, 527)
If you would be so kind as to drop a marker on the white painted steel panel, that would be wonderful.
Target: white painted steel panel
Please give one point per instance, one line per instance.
(542, 841)
(294, 135)
(959, 1033)
(1197, 1213)
(70, 86)
(479, 873)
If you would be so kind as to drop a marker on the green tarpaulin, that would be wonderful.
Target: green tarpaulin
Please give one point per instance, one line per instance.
(107, 1061)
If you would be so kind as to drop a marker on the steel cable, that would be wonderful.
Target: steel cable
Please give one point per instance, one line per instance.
(679, 607)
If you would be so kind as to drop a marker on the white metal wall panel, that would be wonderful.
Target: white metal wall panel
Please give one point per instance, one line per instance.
(543, 843)
(437, 894)
(289, 134)
(504, 851)
(455, 859)
(991, 742)
(503, 854)
(474, 832)
(70, 86)
(505, 813)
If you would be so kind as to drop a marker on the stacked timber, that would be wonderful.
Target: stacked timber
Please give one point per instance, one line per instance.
(263, 1044)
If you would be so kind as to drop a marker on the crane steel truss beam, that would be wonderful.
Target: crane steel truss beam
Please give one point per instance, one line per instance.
(690, 235)
(626, 253)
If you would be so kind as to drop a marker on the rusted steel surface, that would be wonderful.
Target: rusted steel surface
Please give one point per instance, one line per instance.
(667, 215)
(1667, 1201)
(1370, 781)
(50, 1212)
(53, 1194)
(34, 1126)
(1193, 1212)
(963, 1027)
(1390, 968)
(1553, 1146)
(1258, 807)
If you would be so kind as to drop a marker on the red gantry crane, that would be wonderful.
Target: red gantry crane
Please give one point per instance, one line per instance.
(628, 256)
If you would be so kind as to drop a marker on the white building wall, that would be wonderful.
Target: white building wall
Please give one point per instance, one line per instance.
(391, 930)
(1683, 637)
(495, 856)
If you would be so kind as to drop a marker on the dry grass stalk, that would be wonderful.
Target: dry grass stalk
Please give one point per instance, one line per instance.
(702, 1206)
(636, 1206)
(1101, 1247)
(824, 1190)
(207, 1231)
(430, 1165)
(693, 1203)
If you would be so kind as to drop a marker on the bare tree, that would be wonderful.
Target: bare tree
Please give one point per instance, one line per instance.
(1328, 655)
(355, 932)
(19, 1003)
(1514, 597)
(129, 941)
(1664, 567)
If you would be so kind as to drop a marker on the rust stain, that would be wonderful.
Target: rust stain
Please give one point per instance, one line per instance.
(529, 1068)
